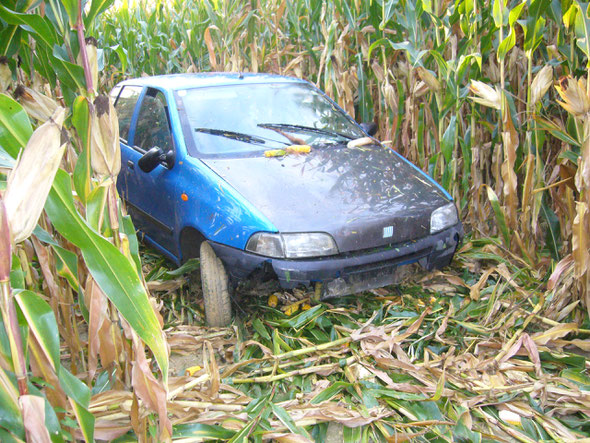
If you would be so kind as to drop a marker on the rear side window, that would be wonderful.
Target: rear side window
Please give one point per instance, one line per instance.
(125, 105)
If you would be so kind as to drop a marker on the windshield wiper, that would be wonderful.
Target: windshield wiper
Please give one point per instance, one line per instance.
(301, 128)
(238, 136)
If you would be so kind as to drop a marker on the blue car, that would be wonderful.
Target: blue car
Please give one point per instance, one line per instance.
(264, 176)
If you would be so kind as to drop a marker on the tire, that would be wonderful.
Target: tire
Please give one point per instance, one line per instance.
(215, 285)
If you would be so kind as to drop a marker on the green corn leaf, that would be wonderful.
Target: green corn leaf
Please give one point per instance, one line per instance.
(500, 217)
(51, 420)
(95, 207)
(15, 126)
(506, 45)
(9, 40)
(286, 419)
(583, 29)
(534, 25)
(6, 160)
(201, 432)
(556, 131)
(41, 26)
(42, 323)
(414, 55)
(67, 266)
(96, 8)
(71, 7)
(464, 63)
(6, 437)
(515, 12)
(128, 229)
(330, 392)
(448, 139)
(553, 233)
(69, 73)
(303, 318)
(17, 277)
(10, 415)
(74, 388)
(578, 377)
(259, 327)
(80, 394)
(499, 13)
(83, 170)
(113, 272)
(351, 435)
(85, 421)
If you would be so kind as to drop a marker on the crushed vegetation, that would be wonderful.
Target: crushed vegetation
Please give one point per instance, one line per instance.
(478, 352)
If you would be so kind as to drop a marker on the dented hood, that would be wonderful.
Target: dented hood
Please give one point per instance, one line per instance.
(364, 197)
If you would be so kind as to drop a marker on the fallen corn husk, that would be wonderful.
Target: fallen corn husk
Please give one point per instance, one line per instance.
(363, 141)
(510, 417)
(104, 144)
(31, 179)
(36, 104)
(273, 301)
(293, 149)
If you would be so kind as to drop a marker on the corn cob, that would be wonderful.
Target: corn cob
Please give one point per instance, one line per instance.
(37, 105)
(31, 179)
(104, 139)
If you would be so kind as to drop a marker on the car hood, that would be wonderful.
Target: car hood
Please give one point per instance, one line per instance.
(364, 197)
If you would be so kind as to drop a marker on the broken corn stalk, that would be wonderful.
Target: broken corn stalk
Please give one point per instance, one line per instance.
(275, 153)
(273, 301)
(293, 149)
(358, 142)
(298, 149)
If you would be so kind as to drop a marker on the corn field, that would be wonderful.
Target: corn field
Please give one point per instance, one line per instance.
(491, 98)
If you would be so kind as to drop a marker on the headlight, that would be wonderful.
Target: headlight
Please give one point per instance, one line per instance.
(313, 244)
(443, 217)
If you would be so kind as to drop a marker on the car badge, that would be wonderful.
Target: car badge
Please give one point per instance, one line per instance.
(388, 231)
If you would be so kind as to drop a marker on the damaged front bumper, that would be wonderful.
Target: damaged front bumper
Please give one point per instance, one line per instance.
(348, 273)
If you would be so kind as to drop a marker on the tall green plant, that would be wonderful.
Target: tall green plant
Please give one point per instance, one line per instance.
(409, 65)
(85, 246)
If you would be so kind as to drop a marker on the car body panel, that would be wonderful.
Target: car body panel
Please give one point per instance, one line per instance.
(374, 203)
(352, 194)
(190, 194)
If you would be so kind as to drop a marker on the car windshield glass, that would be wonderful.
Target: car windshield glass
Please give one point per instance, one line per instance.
(240, 119)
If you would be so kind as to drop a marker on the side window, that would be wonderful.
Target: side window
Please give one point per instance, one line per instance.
(125, 105)
(153, 127)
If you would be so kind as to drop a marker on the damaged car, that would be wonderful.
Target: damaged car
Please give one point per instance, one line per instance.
(264, 176)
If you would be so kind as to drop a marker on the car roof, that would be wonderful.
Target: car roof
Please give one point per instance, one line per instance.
(188, 81)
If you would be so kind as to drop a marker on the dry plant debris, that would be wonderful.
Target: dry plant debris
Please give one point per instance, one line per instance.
(474, 353)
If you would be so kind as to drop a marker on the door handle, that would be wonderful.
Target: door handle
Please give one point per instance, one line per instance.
(130, 164)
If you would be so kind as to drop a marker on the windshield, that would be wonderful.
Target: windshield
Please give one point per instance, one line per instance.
(241, 119)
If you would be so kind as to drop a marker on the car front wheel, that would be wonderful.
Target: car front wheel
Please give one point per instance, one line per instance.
(215, 288)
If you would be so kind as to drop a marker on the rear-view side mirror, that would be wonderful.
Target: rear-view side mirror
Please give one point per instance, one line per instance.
(370, 128)
(153, 157)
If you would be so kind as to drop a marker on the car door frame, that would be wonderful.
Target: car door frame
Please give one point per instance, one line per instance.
(170, 249)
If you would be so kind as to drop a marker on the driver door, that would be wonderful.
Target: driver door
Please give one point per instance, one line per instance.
(151, 195)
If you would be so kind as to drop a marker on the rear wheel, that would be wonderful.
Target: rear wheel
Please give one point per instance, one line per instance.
(215, 287)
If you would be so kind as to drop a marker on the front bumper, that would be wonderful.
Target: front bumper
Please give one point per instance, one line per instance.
(351, 272)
